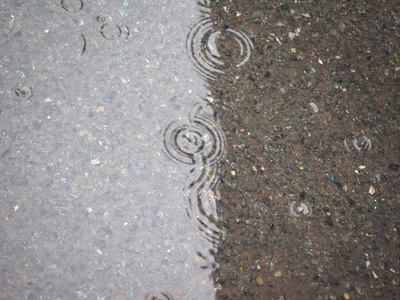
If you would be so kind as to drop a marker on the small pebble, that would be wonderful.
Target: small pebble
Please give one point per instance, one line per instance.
(371, 190)
(314, 107)
(278, 274)
(20, 74)
(95, 162)
(48, 100)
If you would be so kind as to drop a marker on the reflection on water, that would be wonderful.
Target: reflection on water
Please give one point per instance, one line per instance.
(92, 208)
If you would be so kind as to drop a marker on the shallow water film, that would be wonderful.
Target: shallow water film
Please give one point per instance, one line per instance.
(181, 149)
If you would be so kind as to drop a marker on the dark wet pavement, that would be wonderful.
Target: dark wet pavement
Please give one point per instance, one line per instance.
(199, 150)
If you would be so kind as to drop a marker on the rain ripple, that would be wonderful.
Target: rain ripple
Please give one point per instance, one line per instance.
(72, 7)
(203, 45)
(160, 296)
(196, 140)
(199, 142)
(24, 92)
(298, 208)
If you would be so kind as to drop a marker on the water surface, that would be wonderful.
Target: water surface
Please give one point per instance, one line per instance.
(110, 152)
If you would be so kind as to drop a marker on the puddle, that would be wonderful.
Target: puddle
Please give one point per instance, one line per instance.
(199, 150)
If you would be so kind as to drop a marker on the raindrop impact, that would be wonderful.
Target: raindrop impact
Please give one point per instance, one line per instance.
(24, 92)
(299, 208)
(198, 139)
(364, 143)
(159, 296)
(213, 51)
(109, 32)
(72, 5)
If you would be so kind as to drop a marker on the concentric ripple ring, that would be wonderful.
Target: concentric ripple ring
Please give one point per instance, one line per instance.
(197, 140)
(202, 47)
